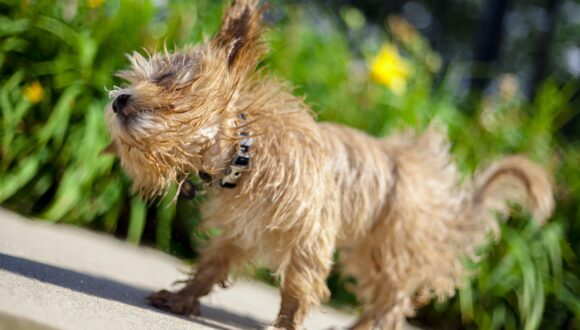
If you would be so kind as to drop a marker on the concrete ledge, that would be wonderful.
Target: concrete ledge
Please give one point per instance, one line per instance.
(58, 276)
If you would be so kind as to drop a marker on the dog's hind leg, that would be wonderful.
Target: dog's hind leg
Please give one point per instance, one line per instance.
(385, 303)
(212, 269)
(387, 315)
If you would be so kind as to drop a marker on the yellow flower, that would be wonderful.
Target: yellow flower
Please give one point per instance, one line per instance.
(390, 69)
(34, 92)
(95, 3)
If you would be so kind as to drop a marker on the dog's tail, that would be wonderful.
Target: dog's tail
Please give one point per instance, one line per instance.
(514, 179)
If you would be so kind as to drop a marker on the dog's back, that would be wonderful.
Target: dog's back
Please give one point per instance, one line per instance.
(409, 220)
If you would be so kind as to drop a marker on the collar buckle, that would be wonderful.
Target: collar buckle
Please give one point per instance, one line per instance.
(241, 161)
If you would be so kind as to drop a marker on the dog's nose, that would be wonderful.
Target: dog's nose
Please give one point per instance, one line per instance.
(120, 102)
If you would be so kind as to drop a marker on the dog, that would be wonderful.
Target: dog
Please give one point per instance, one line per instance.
(289, 191)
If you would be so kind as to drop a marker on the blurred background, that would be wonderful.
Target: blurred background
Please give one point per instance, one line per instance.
(504, 75)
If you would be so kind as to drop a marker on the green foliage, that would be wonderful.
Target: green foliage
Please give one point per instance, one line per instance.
(522, 272)
(531, 269)
(51, 138)
(57, 61)
(51, 142)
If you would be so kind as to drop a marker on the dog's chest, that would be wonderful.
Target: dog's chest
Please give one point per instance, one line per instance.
(249, 225)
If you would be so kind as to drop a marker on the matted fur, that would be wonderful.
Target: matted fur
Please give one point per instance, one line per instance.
(394, 208)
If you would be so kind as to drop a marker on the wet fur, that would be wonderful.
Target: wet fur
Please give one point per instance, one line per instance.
(395, 207)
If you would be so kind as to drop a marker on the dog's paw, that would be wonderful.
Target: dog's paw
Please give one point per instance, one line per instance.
(174, 302)
(273, 327)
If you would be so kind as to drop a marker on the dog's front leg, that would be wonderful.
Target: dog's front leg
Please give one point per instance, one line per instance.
(304, 287)
(212, 268)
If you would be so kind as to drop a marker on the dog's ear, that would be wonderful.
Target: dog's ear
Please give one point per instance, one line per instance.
(239, 35)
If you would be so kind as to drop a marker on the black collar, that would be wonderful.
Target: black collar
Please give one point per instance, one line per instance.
(232, 173)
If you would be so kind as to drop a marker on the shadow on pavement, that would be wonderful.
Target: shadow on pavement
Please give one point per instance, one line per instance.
(113, 290)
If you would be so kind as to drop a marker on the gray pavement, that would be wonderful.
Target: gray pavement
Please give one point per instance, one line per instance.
(63, 277)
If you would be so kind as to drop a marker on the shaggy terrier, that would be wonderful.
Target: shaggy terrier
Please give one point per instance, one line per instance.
(289, 192)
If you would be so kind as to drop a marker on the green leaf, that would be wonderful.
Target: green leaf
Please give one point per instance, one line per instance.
(165, 214)
(18, 178)
(137, 220)
(57, 124)
(59, 29)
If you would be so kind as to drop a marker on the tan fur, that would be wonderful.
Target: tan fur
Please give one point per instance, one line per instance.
(394, 208)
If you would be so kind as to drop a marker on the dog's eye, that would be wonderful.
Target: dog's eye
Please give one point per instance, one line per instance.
(164, 78)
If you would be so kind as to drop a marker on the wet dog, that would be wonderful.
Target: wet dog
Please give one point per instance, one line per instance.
(289, 192)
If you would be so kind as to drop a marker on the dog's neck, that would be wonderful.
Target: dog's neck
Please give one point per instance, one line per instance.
(228, 157)
(241, 161)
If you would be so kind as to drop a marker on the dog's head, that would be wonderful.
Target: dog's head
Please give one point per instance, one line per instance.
(167, 117)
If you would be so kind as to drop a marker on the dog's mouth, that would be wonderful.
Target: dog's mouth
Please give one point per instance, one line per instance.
(126, 117)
